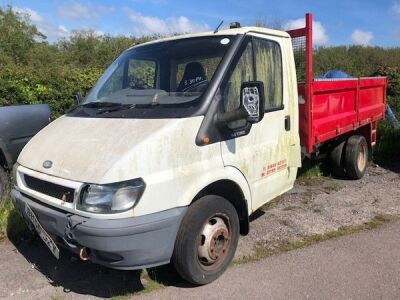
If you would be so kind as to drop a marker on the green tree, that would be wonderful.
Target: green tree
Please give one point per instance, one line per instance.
(18, 36)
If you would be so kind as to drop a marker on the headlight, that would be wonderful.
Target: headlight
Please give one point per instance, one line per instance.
(111, 198)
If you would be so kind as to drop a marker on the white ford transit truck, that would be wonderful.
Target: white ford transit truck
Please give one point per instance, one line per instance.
(179, 142)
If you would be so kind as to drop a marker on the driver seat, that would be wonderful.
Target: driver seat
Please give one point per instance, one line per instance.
(193, 77)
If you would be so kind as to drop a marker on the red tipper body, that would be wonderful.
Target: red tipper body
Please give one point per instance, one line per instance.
(329, 108)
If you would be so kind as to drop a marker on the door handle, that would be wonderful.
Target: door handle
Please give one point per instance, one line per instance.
(287, 123)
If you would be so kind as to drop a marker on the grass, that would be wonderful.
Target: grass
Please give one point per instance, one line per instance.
(57, 296)
(388, 146)
(310, 170)
(289, 208)
(285, 246)
(317, 210)
(12, 226)
(284, 223)
(307, 196)
(332, 186)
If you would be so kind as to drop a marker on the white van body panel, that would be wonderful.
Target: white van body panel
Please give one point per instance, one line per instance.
(269, 155)
(102, 150)
(231, 31)
(161, 151)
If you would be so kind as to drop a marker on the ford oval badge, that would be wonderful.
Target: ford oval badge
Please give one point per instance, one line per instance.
(47, 164)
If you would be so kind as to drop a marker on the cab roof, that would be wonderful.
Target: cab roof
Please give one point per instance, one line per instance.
(233, 31)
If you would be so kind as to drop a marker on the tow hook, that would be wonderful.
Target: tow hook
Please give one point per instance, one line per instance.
(83, 254)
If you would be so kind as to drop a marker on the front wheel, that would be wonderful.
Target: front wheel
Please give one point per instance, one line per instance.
(207, 240)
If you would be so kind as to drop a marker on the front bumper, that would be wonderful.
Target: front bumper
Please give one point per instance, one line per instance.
(126, 244)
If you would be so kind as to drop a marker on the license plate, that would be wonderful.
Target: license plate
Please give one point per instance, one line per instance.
(42, 233)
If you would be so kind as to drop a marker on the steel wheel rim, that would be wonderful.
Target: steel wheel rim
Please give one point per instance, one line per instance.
(214, 242)
(361, 160)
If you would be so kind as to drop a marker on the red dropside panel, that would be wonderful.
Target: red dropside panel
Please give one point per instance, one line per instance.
(329, 108)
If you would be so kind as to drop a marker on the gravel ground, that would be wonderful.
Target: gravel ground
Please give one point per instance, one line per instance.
(314, 206)
(321, 205)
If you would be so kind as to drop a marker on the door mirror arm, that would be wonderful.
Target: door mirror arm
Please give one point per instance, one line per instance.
(231, 116)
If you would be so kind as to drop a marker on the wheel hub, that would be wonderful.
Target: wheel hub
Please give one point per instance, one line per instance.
(362, 160)
(214, 241)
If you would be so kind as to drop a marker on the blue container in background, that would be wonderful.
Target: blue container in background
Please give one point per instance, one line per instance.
(336, 74)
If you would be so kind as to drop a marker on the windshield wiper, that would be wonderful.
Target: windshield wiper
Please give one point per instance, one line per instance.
(101, 104)
(116, 108)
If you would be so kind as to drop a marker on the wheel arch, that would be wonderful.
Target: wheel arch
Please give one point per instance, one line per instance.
(231, 191)
(5, 157)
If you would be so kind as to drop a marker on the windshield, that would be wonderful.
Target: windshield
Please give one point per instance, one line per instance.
(174, 72)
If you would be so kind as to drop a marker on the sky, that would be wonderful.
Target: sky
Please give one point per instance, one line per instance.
(361, 22)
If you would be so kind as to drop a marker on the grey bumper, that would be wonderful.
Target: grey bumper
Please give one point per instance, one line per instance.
(128, 244)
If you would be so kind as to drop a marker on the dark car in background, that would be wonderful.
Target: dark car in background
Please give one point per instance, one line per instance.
(18, 124)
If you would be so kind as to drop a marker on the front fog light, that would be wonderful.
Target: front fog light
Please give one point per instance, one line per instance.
(111, 198)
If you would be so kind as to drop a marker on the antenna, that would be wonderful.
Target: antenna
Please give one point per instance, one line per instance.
(216, 29)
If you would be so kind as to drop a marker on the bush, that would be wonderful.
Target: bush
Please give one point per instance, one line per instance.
(388, 146)
(393, 91)
(52, 85)
(34, 71)
(357, 61)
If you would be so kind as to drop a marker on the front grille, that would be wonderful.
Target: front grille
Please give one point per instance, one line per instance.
(51, 189)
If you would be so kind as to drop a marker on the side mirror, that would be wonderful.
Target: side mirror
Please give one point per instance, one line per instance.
(251, 105)
(252, 100)
(78, 98)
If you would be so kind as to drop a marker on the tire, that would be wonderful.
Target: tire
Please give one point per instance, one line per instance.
(4, 186)
(356, 157)
(207, 240)
(337, 160)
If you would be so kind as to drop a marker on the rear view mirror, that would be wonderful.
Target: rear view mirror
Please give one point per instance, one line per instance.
(252, 100)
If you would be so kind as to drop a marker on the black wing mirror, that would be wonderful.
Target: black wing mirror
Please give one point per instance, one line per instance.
(252, 100)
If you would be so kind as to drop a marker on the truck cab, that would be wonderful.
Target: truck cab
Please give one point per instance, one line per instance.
(179, 142)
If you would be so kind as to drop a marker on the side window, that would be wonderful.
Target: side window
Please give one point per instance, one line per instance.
(242, 72)
(142, 74)
(269, 70)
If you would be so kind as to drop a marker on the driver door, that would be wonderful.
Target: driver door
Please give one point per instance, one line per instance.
(263, 154)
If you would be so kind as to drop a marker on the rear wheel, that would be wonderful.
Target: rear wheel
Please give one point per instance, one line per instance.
(337, 160)
(207, 240)
(356, 157)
